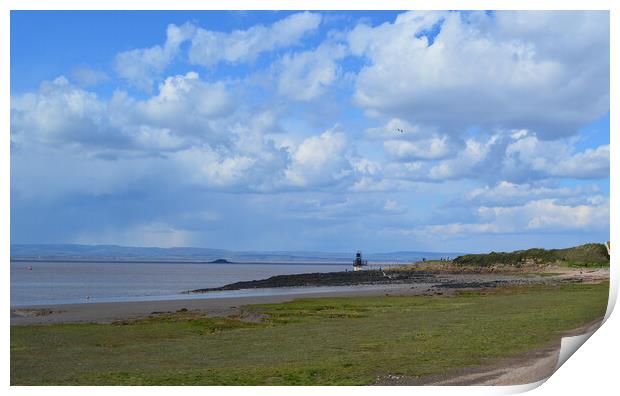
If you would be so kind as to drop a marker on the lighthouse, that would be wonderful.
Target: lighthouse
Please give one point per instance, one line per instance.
(358, 263)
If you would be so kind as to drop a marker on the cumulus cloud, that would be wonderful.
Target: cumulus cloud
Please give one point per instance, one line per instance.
(435, 148)
(185, 110)
(544, 215)
(193, 125)
(486, 70)
(553, 158)
(506, 193)
(306, 75)
(233, 170)
(60, 113)
(319, 160)
(62, 119)
(444, 103)
(506, 156)
(141, 66)
(189, 106)
(210, 47)
(547, 214)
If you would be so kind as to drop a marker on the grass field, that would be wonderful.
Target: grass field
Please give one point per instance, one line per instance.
(325, 341)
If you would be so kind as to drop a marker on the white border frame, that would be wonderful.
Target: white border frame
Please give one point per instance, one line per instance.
(593, 368)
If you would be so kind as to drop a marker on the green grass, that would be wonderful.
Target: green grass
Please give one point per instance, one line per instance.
(574, 264)
(323, 341)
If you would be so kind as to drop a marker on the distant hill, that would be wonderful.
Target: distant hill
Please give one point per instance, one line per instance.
(220, 261)
(70, 252)
(591, 253)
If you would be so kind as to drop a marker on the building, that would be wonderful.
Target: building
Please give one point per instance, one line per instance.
(358, 263)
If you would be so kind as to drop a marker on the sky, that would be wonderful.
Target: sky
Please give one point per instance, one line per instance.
(317, 131)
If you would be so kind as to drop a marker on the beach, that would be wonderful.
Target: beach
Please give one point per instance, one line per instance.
(470, 326)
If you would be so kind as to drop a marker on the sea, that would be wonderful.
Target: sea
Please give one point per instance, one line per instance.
(42, 283)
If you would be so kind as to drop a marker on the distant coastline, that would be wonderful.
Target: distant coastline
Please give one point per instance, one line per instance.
(105, 253)
(155, 261)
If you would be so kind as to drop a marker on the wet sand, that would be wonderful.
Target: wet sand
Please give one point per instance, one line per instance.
(110, 312)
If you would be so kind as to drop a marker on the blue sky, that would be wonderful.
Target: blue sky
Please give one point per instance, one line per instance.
(334, 131)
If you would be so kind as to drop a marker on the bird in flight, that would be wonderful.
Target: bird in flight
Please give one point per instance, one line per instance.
(400, 130)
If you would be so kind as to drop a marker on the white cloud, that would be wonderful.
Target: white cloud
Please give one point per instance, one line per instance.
(365, 184)
(185, 110)
(141, 66)
(486, 70)
(544, 215)
(59, 113)
(233, 169)
(547, 214)
(506, 193)
(266, 121)
(187, 103)
(428, 149)
(213, 169)
(160, 139)
(307, 75)
(464, 163)
(319, 160)
(210, 47)
(505, 156)
(351, 207)
(365, 166)
(554, 158)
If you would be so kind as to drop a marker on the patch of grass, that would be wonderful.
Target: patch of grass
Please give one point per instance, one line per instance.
(188, 320)
(322, 341)
(574, 264)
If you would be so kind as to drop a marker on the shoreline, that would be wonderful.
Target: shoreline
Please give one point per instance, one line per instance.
(107, 312)
(528, 365)
(252, 262)
(224, 305)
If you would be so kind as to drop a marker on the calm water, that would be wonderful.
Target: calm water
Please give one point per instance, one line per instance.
(63, 283)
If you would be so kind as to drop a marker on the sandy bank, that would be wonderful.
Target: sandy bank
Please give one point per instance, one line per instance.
(109, 312)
